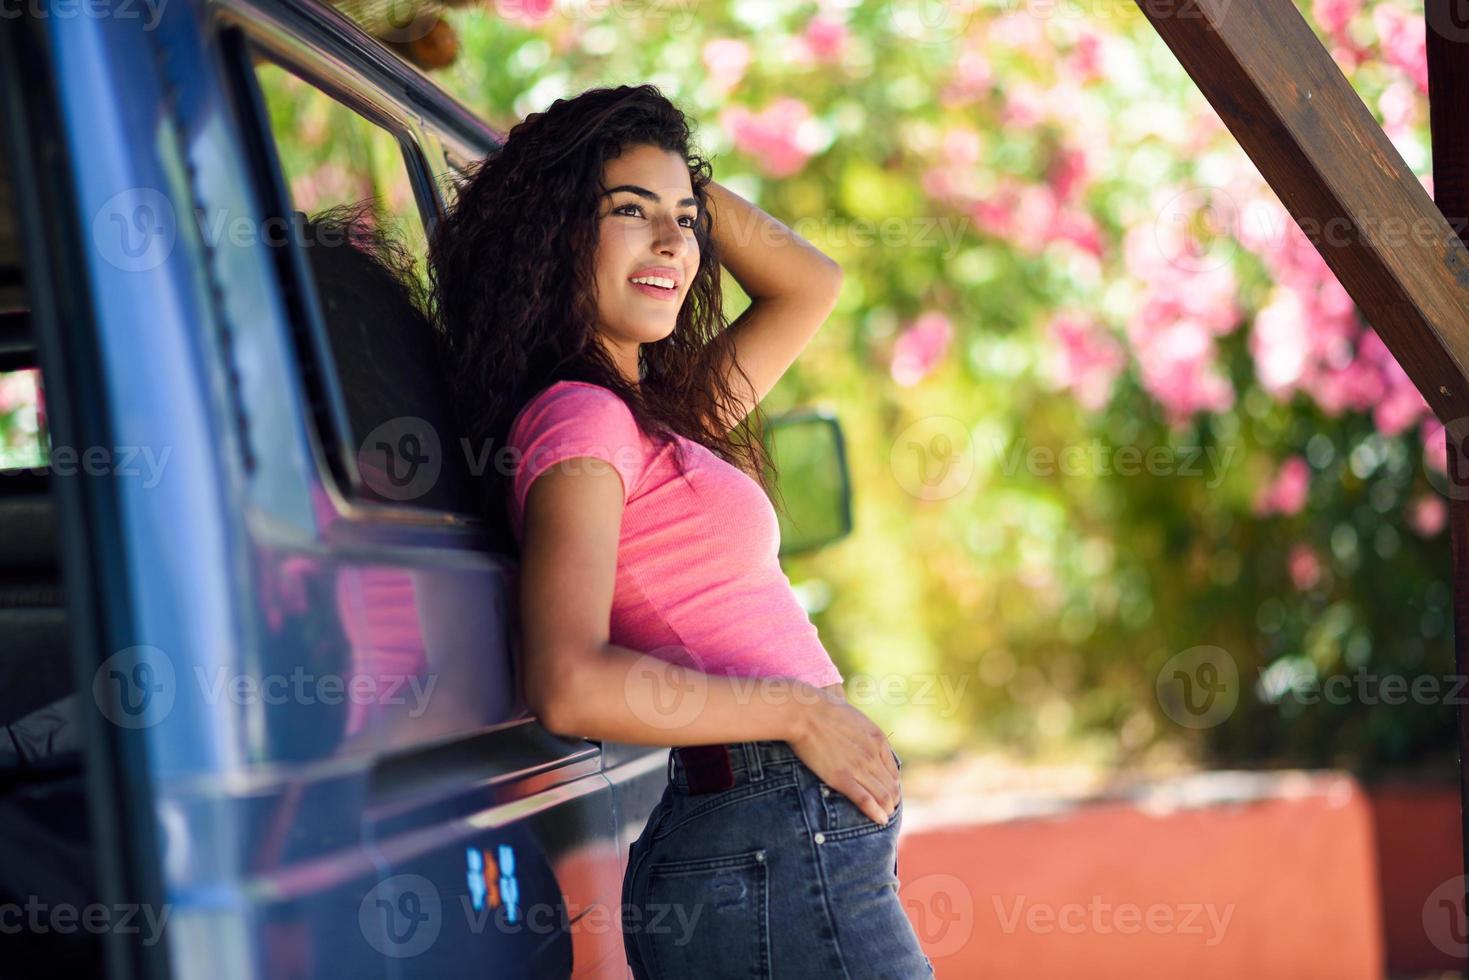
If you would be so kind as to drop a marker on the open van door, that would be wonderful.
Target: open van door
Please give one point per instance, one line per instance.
(80, 888)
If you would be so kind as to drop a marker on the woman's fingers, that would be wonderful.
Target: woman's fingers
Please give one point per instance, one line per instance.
(884, 789)
(873, 808)
(891, 759)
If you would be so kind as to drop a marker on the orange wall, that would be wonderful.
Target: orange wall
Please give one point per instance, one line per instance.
(1280, 886)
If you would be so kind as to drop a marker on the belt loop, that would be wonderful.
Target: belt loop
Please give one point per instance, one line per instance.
(752, 760)
(670, 762)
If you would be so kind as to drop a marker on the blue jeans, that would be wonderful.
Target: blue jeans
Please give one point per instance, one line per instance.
(775, 876)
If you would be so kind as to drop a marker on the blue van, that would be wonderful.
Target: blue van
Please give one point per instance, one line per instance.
(258, 673)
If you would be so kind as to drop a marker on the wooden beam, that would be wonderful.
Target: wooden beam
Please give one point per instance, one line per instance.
(1448, 111)
(1291, 109)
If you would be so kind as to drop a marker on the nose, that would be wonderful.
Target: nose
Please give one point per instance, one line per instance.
(669, 238)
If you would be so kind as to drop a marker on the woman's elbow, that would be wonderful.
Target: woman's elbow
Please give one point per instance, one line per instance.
(552, 704)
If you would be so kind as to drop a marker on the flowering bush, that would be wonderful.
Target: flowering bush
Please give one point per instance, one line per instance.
(1105, 403)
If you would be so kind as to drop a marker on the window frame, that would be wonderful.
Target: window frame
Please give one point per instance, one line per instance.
(328, 423)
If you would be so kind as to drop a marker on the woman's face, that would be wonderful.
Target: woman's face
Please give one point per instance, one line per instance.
(645, 228)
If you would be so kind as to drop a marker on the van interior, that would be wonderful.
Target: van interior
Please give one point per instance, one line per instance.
(46, 853)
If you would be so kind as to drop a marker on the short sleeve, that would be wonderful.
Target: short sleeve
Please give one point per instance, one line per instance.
(567, 420)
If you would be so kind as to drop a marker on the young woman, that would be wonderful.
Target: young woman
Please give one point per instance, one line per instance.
(577, 282)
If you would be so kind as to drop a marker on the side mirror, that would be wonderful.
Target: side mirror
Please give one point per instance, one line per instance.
(814, 502)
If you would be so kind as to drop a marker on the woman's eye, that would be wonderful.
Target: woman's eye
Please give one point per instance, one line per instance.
(689, 217)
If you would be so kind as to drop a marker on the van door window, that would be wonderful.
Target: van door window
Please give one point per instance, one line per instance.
(359, 223)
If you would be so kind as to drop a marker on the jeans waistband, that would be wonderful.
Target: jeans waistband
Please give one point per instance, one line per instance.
(694, 769)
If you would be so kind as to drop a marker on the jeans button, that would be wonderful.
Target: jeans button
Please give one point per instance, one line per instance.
(820, 837)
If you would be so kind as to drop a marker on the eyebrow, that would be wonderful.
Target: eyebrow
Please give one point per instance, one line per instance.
(644, 192)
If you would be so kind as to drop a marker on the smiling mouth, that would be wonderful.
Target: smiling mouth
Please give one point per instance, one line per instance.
(654, 292)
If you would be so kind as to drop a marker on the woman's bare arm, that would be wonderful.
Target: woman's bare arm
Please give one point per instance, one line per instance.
(792, 285)
(576, 680)
(579, 683)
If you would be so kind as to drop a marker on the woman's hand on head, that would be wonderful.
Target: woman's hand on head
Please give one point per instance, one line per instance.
(849, 753)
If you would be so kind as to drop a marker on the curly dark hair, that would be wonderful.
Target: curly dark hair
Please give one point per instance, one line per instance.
(512, 276)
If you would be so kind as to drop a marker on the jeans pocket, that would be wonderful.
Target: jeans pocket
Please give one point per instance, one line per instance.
(708, 917)
(842, 818)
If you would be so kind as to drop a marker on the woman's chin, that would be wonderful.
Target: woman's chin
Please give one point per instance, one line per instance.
(655, 334)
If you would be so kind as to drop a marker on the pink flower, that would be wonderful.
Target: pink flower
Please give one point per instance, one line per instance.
(1427, 515)
(1085, 357)
(1335, 15)
(1024, 31)
(1080, 229)
(18, 389)
(919, 349)
(962, 145)
(972, 79)
(528, 12)
(1286, 494)
(1280, 343)
(1176, 365)
(725, 59)
(994, 215)
(1404, 42)
(953, 180)
(1305, 567)
(824, 40)
(1034, 216)
(1087, 57)
(1068, 174)
(938, 183)
(1435, 448)
(1026, 105)
(772, 136)
(1398, 104)
(1357, 386)
(1030, 216)
(1181, 308)
(1402, 403)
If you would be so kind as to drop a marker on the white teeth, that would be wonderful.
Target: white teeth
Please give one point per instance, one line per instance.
(655, 281)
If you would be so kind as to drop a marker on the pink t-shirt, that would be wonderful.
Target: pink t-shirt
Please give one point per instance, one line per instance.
(699, 581)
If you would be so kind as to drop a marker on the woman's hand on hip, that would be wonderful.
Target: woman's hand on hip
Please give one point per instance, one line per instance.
(849, 752)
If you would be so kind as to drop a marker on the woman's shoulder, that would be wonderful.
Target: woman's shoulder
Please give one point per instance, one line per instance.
(575, 403)
(581, 396)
